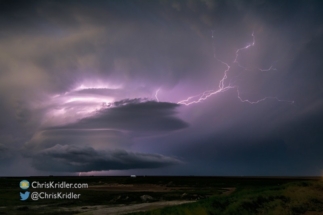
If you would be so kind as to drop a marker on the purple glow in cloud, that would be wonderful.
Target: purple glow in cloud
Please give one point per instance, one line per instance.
(85, 99)
(224, 87)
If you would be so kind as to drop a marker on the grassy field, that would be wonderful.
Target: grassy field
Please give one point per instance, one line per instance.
(213, 195)
(304, 197)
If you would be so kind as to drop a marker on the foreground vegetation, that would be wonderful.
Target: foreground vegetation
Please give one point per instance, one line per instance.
(292, 198)
(213, 195)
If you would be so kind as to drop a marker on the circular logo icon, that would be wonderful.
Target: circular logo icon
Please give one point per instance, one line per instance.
(24, 184)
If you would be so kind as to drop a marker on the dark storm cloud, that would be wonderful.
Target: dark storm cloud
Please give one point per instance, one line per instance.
(222, 155)
(60, 44)
(83, 159)
(99, 138)
(265, 143)
(4, 152)
(134, 115)
(49, 48)
(66, 148)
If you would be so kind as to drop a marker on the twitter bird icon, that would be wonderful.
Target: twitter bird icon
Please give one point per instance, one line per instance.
(24, 196)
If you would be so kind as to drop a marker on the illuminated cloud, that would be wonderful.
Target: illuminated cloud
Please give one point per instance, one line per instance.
(133, 115)
(102, 141)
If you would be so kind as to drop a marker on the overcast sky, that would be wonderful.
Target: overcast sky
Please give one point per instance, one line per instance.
(196, 87)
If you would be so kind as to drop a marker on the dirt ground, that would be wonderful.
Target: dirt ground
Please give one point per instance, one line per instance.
(122, 209)
(228, 190)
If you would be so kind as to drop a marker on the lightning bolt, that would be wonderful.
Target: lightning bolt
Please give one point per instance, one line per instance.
(267, 70)
(222, 83)
(156, 93)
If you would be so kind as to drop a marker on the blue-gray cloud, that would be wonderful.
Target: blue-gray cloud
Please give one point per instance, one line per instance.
(133, 115)
(83, 159)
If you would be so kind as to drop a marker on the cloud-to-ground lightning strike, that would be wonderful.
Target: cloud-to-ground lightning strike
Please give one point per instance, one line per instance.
(156, 95)
(223, 87)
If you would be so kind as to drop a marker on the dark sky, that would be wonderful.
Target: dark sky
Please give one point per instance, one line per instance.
(196, 87)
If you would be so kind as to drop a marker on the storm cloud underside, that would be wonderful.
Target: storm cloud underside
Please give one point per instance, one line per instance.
(95, 86)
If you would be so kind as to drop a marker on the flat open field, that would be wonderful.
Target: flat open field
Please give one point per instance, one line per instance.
(170, 195)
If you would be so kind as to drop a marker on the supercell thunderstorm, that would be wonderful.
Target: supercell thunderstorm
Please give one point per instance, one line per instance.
(86, 99)
(177, 87)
